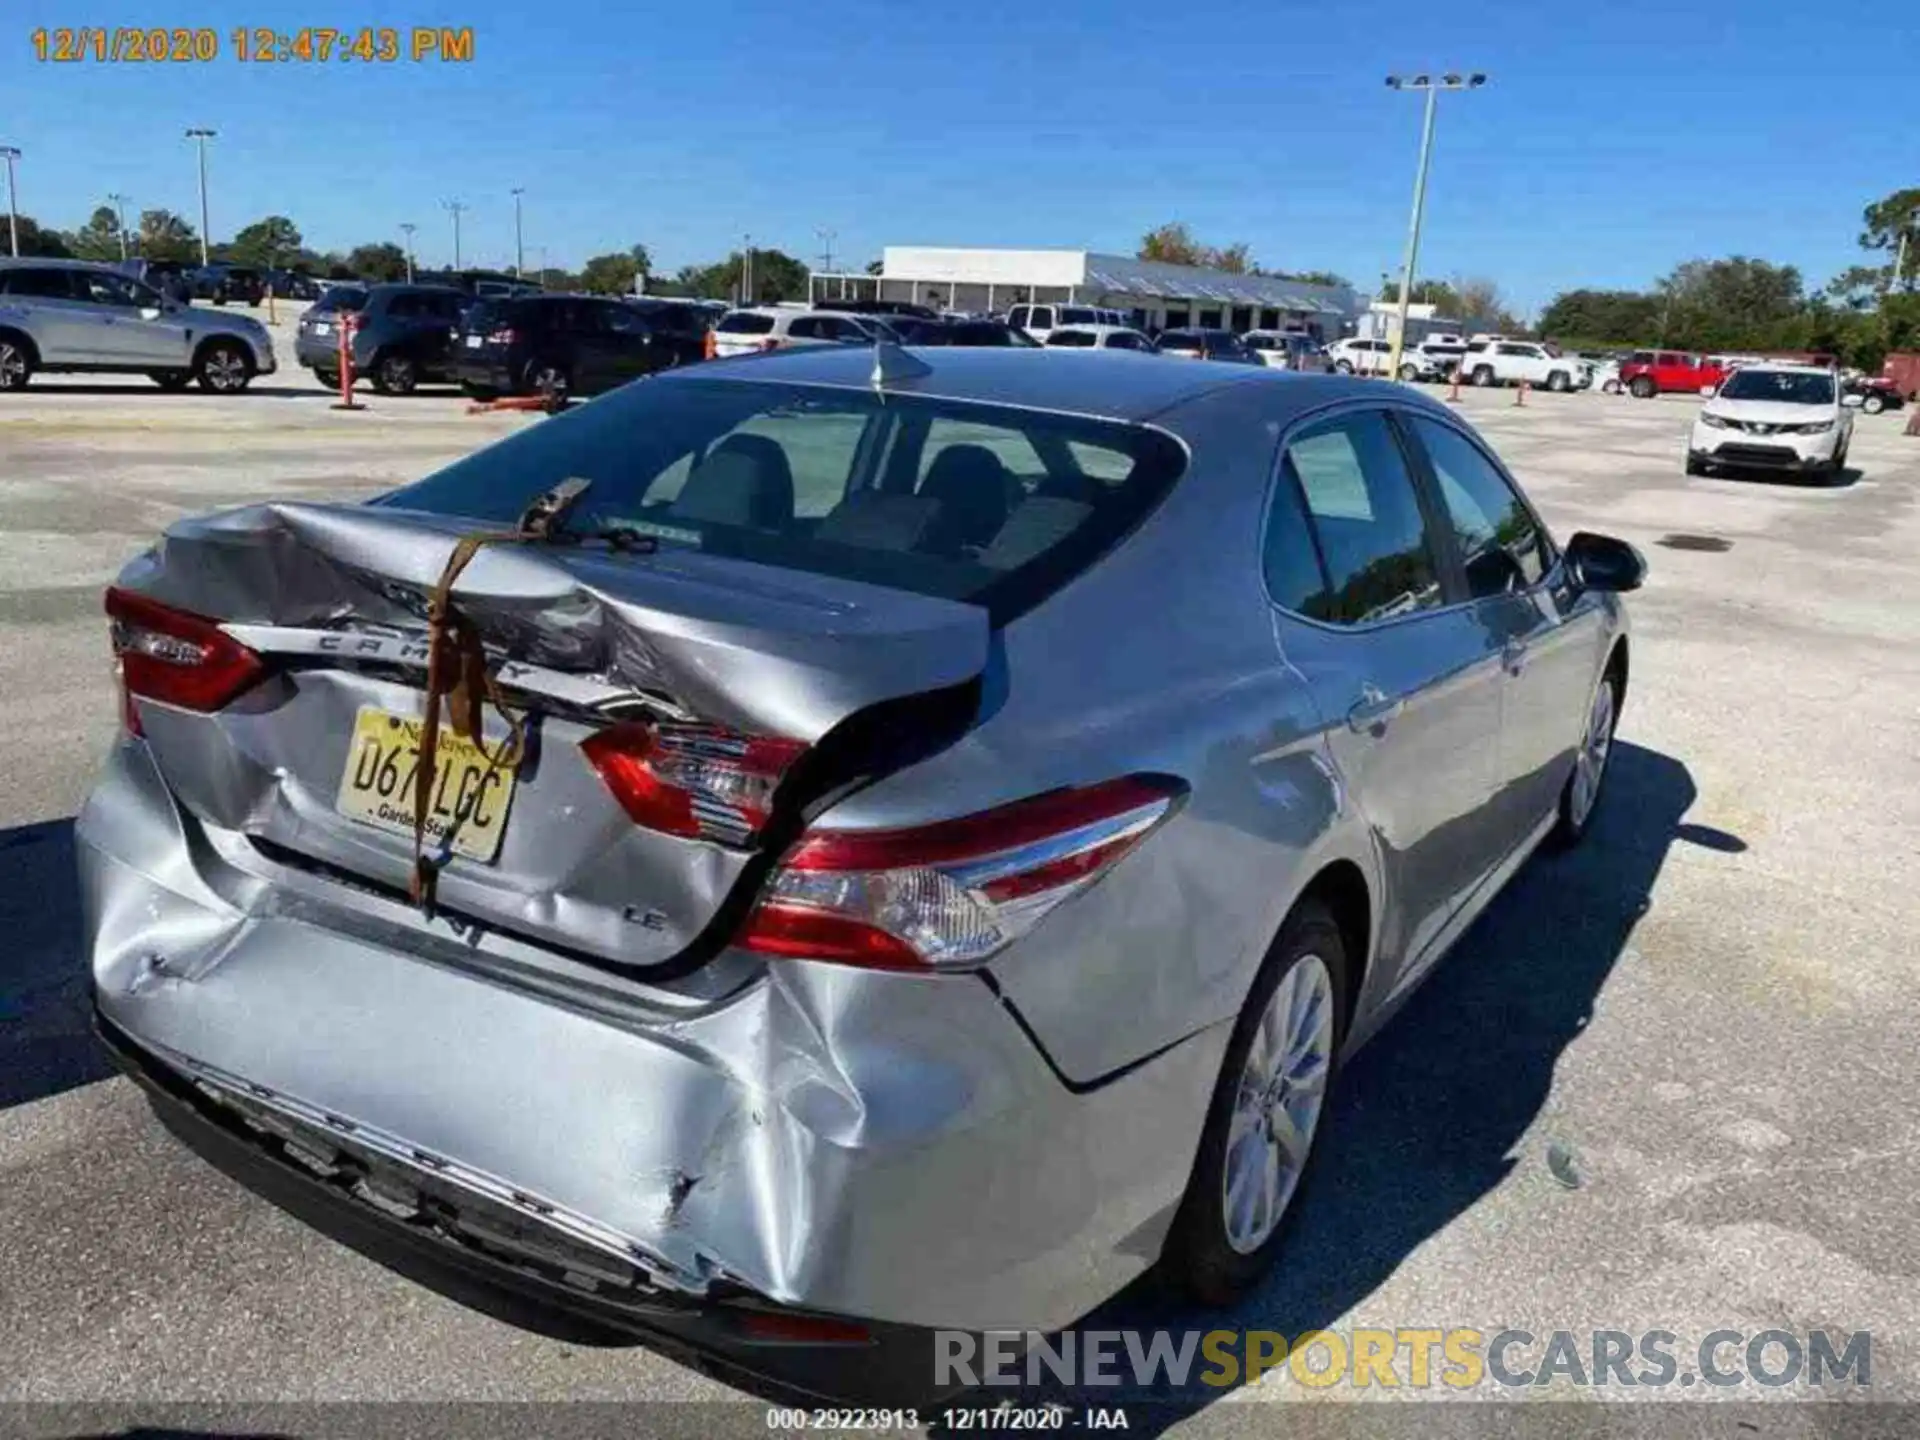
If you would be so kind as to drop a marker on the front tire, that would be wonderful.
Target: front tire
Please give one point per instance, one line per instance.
(1559, 382)
(1871, 404)
(329, 379)
(223, 368)
(547, 377)
(1483, 376)
(1259, 1139)
(1343, 367)
(1580, 797)
(1409, 373)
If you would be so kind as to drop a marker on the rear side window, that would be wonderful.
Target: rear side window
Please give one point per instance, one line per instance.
(1043, 317)
(742, 322)
(1125, 342)
(47, 284)
(984, 503)
(1018, 316)
(1078, 315)
(1366, 518)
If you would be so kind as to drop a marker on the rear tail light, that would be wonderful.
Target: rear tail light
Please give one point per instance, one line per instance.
(952, 893)
(175, 657)
(505, 335)
(699, 781)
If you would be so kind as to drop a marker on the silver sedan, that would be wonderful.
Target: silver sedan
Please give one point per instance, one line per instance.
(808, 849)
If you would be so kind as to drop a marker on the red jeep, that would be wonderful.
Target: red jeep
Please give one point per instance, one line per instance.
(1647, 373)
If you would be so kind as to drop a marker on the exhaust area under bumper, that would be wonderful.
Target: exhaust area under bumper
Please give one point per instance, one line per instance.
(881, 1146)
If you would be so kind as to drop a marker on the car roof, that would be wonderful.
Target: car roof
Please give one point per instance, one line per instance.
(1088, 328)
(1769, 367)
(1072, 382)
(52, 263)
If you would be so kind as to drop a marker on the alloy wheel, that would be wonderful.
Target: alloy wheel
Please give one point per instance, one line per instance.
(13, 366)
(1590, 764)
(225, 369)
(1276, 1109)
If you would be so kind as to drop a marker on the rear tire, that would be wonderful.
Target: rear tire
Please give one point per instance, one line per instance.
(1642, 388)
(1409, 373)
(171, 380)
(395, 375)
(1343, 367)
(16, 363)
(547, 377)
(1580, 797)
(1871, 404)
(1220, 1246)
(223, 368)
(329, 379)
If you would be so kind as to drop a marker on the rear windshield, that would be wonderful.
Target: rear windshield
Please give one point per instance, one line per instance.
(342, 297)
(939, 497)
(741, 323)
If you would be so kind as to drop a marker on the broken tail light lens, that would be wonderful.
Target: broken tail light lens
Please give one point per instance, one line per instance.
(175, 657)
(703, 782)
(951, 893)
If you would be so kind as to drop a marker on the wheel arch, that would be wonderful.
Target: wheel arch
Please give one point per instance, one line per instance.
(23, 339)
(1341, 887)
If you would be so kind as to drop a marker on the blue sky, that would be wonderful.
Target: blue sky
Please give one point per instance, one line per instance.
(1616, 137)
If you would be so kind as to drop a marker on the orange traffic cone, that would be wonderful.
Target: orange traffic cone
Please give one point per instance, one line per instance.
(709, 347)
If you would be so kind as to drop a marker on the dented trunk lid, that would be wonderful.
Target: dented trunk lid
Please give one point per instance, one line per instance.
(334, 597)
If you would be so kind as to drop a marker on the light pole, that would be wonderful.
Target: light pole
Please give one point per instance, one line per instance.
(1433, 85)
(455, 208)
(519, 250)
(407, 228)
(11, 153)
(119, 203)
(202, 136)
(746, 270)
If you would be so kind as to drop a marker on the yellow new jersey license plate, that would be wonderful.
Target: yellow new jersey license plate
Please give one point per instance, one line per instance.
(470, 794)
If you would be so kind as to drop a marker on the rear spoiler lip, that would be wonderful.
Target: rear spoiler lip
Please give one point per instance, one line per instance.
(391, 647)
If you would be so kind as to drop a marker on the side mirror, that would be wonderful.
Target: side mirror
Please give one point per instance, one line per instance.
(1709, 391)
(1852, 402)
(1600, 562)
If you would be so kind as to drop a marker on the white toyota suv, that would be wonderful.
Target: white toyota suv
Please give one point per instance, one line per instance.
(1508, 362)
(1773, 417)
(72, 315)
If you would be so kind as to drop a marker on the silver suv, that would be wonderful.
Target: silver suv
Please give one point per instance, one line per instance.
(71, 315)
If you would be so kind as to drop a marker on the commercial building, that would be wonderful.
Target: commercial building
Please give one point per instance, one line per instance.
(1157, 295)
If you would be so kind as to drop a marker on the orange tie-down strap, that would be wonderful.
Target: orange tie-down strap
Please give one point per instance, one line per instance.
(457, 672)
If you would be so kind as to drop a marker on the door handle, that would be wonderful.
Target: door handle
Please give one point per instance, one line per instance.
(1373, 711)
(1513, 656)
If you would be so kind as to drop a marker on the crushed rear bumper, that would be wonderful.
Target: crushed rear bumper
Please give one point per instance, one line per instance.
(887, 1147)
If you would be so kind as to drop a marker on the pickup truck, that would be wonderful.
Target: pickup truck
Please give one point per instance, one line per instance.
(1508, 362)
(1648, 373)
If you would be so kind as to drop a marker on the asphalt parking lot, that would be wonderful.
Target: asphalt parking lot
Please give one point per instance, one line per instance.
(1666, 1082)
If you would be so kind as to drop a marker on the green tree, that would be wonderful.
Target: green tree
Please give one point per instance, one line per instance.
(380, 261)
(642, 259)
(610, 274)
(1171, 244)
(1236, 259)
(165, 236)
(272, 241)
(1437, 293)
(36, 240)
(1602, 317)
(99, 238)
(776, 276)
(1312, 277)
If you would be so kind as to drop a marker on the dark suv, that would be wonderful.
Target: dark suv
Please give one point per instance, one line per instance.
(679, 327)
(223, 284)
(559, 345)
(405, 335)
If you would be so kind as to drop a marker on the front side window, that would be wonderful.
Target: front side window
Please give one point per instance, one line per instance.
(115, 290)
(1043, 317)
(1499, 540)
(984, 503)
(807, 327)
(1018, 316)
(1070, 339)
(1124, 342)
(1366, 516)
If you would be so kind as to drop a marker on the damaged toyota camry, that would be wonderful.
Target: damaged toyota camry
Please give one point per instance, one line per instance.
(803, 851)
